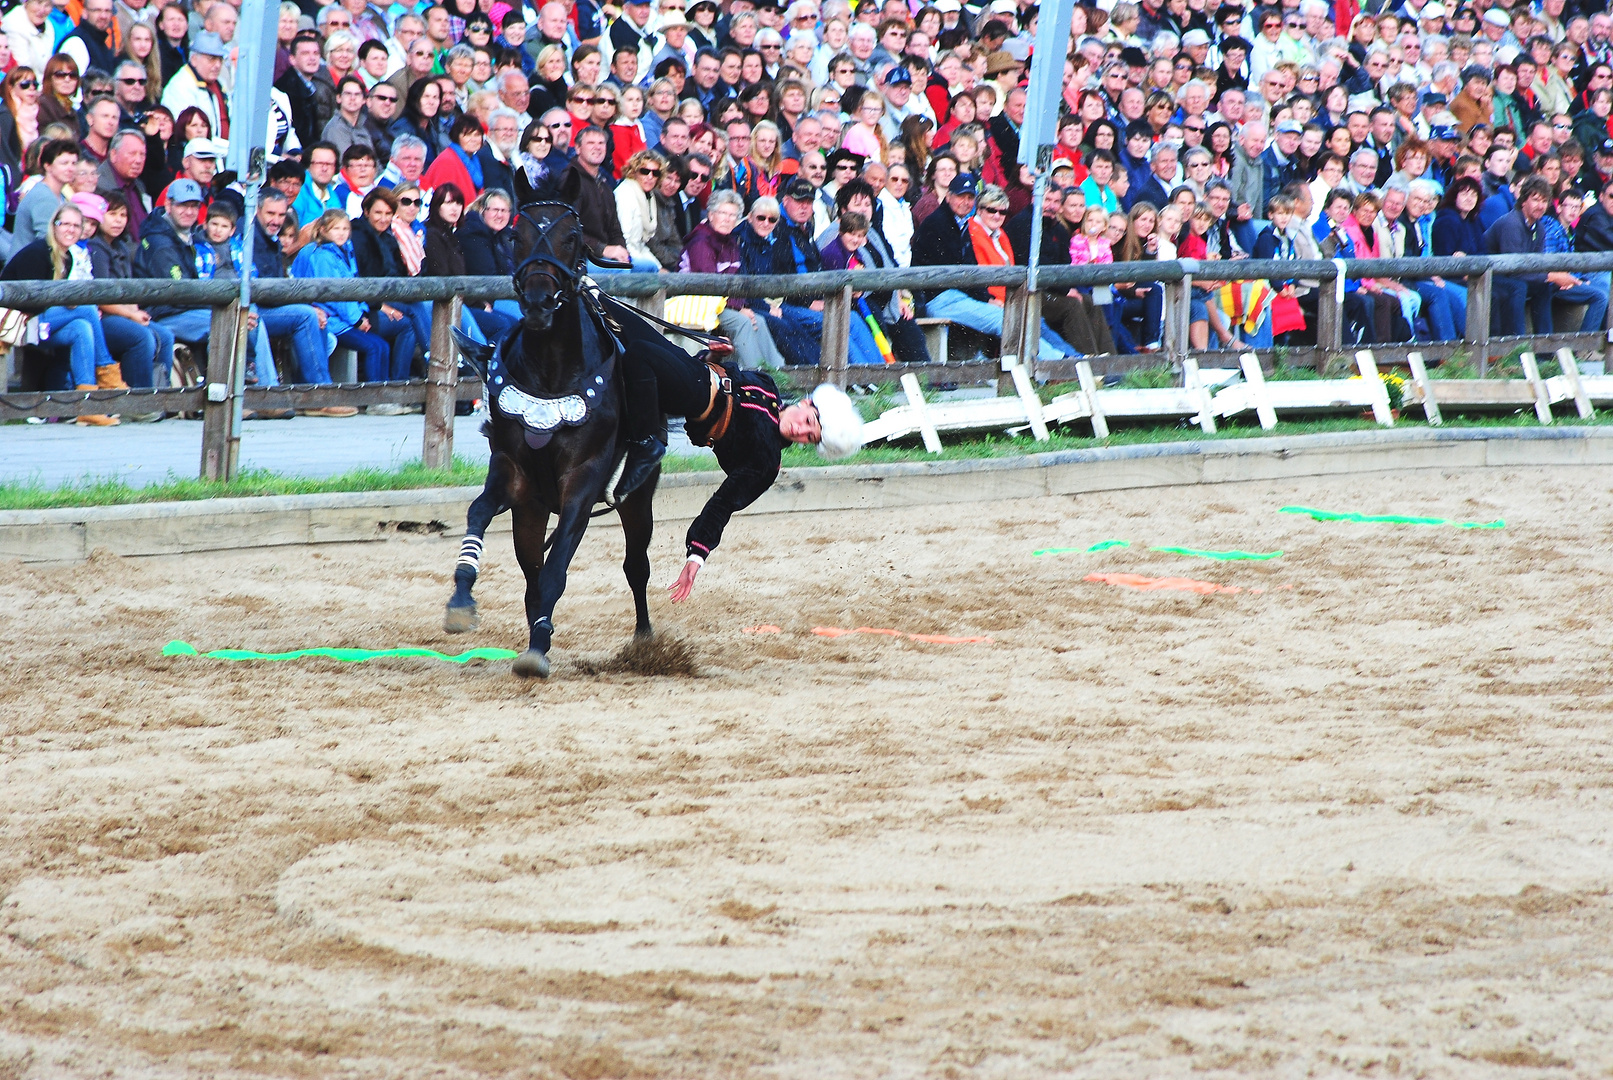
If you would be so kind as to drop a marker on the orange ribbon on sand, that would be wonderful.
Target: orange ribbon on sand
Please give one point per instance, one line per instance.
(1149, 584)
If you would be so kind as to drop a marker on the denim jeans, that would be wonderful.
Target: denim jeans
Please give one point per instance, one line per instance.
(300, 323)
(190, 327)
(374, 353)
(804, 331)
(133, 346)
(79, 328)
(399, 333)
(641, 265)
(1151, 306)
(988, 319)
(494, 324)
(1445, 311)
(1593, 294)
(1512, 297)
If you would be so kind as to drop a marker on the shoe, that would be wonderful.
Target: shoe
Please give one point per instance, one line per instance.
(96, 419)
(643, 456)
(268, 414)
(387, 410)
(147, 417)
(332, 410)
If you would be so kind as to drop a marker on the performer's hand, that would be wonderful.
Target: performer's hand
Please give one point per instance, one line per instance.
(682, 587)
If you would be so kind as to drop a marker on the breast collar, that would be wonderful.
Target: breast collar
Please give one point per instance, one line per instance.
(543, 416)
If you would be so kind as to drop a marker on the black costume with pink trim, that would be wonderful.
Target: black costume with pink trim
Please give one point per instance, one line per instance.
(749, 452)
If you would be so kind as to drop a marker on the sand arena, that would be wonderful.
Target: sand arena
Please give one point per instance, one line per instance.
(1356, 826)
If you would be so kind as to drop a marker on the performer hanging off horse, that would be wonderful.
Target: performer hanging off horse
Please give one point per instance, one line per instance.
(739, 414)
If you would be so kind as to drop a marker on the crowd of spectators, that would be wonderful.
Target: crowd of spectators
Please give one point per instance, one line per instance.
(784, 136)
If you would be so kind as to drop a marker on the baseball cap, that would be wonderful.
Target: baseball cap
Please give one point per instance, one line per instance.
(898, 76)
(90, 205)
(1443, 131)
(209, 44)
(1195, 37)
(1435, 10)
(1005, 7)
(1293, 126)
(184, 191)
(1431, 97)
(800, 189)
(962, 184)
(675, 18)
(1497, 17)
(1605, 147)
(202, 148)
(947, 6)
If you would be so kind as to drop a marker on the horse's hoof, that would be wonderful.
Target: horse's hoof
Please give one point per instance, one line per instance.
(531, 665)
(461, 620)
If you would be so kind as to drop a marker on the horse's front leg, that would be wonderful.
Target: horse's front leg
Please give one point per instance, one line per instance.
(550, 583)
(461, 615)
(530, 523)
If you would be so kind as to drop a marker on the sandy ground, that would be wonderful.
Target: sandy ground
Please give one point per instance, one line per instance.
(1358, 826)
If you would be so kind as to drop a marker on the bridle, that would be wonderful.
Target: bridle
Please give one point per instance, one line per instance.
(565, 276)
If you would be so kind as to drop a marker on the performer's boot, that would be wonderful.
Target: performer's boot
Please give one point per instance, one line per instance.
(643, 458)
(643, 429)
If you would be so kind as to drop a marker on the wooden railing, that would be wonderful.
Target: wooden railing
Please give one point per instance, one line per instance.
(223, 391)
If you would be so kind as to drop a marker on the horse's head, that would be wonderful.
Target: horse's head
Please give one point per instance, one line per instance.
(548, 260)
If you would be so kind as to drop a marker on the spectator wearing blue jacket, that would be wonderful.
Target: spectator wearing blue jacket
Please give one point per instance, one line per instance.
(385, 346)
(1522, 232)
(301, 324)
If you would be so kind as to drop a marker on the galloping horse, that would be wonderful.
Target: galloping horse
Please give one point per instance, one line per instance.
(554, 397)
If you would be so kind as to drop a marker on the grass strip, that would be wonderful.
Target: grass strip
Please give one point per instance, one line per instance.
(1223, 556)
(1389, 519)
(347, 656)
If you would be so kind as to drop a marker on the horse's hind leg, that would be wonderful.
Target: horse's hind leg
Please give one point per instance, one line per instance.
(530, 525)
(638, 524)
(461, 615)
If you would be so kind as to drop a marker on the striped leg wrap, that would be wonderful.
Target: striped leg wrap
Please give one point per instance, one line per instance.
(470, 553)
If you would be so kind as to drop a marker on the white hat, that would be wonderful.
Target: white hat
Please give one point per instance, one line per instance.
(1005, 7)
(1195, 37)
(1499, 18)
(1435, 10)
(946, 6)
(839, 421)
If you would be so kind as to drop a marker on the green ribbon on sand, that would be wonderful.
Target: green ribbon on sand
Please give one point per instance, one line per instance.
(1391, 519)
(350, 656)
(1102, 545)
(1224, 556)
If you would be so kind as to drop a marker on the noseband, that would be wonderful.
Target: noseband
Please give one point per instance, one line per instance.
(565, 276)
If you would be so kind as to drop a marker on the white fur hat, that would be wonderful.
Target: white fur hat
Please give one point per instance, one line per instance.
(840, 422)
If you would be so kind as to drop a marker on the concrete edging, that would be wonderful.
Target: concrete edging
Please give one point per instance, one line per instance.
(173, 528)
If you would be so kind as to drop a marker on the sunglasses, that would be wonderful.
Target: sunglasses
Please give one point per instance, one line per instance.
(132, 82)
(377, 97)
(27, 84)
(766, 219)
(699, 177)
(773, 48)
(993, 210)
(649, 172)
(561, 124)
(406, 201)
(64, 75)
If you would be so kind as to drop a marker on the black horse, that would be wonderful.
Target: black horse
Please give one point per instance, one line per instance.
(554, 393)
